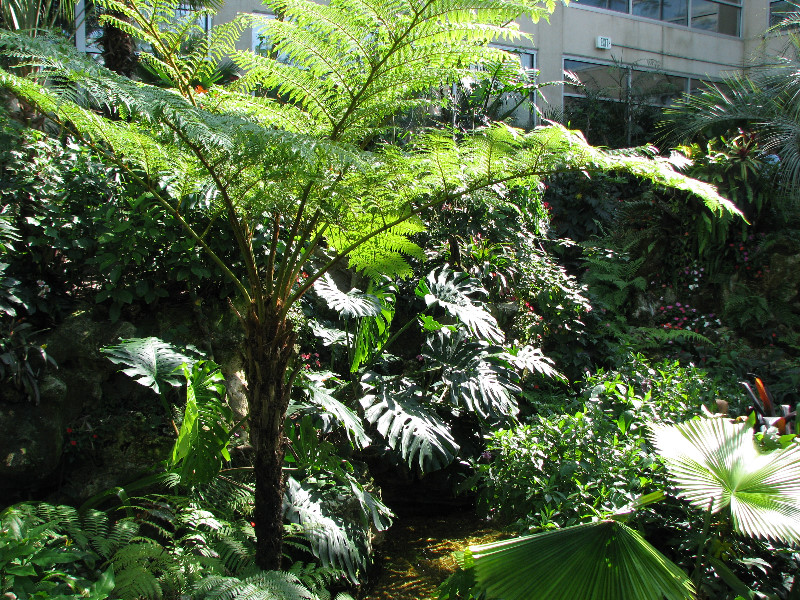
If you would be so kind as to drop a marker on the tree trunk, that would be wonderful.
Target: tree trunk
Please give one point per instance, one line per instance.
(118, 49)
(268, 350)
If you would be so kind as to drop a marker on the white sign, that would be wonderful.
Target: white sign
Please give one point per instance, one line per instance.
(603, 42)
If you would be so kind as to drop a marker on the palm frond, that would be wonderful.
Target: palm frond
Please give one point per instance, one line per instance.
(594, 561)
(717, 464)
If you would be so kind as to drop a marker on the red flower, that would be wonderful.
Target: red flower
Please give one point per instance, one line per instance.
(73, 443)
(69, 429)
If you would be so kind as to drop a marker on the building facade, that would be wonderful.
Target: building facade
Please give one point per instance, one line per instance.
(650, 49)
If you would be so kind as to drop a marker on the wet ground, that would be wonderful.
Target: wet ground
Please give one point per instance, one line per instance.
(416, 555)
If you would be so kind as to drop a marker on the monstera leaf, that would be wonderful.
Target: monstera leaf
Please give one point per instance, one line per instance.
(459, 295)
(202, 443)
(528, 358)
(149, 361)
(473, 374)
(327, 534)
(418, 433)
(596, 561)
(352, 304)
(717, 464)
(321, 396)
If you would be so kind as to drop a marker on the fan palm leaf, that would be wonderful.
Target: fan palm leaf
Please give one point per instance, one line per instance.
(717, 464)
(592, 561)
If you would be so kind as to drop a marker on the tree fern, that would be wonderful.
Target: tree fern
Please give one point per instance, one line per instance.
(266, 585)
(294, 159)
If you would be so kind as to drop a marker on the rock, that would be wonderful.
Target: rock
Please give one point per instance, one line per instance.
(31, 449)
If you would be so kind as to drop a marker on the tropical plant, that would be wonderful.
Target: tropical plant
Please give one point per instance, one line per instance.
(716, 465)
(295, 165)
(35, 16)
(167, 546)
(763, 101)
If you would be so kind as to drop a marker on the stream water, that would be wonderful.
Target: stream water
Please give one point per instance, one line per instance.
(416, 555)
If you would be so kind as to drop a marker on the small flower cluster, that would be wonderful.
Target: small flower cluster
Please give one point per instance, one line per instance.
(683, 316)
(77, 438)
(310, 359)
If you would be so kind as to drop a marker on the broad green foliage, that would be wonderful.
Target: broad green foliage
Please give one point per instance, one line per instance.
(206, 429)
(578, 457)
(150, 362)
(38, 559)
(326, 405)
(80, 222)
(353, 304)
(171, 548)
(321, 478)
(394, 407)
(461, 297)
(293, 149)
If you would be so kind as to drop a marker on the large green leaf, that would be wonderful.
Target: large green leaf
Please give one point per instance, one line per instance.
(473, 374)
(717, 463)
(461, 297)
(149, 361)
(393, 407)
(202, 443)
(594, 561)
(327, 534)
(319, 395)
(373, 332)
(352, 304)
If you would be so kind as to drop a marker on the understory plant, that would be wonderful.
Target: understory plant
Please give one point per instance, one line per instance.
(717, 466)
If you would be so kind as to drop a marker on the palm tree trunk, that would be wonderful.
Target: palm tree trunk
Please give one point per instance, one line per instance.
(269, 348)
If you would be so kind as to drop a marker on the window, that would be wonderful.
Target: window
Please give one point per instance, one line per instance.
(616, 81)
(719, 16)
(780, 10)
(618, 104)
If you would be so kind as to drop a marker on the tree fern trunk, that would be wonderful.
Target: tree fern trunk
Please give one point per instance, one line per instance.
(269, 348)
(118, 49)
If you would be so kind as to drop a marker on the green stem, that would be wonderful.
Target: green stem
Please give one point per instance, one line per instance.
(701, 547)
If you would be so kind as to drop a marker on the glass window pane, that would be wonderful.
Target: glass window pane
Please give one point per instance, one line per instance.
(675, 11)
(616, 5)
(606, 81)
(711, 16)
(647, 8)
(657, 89)
(779, 10)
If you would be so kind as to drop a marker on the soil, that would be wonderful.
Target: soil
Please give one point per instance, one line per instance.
(417, 554)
